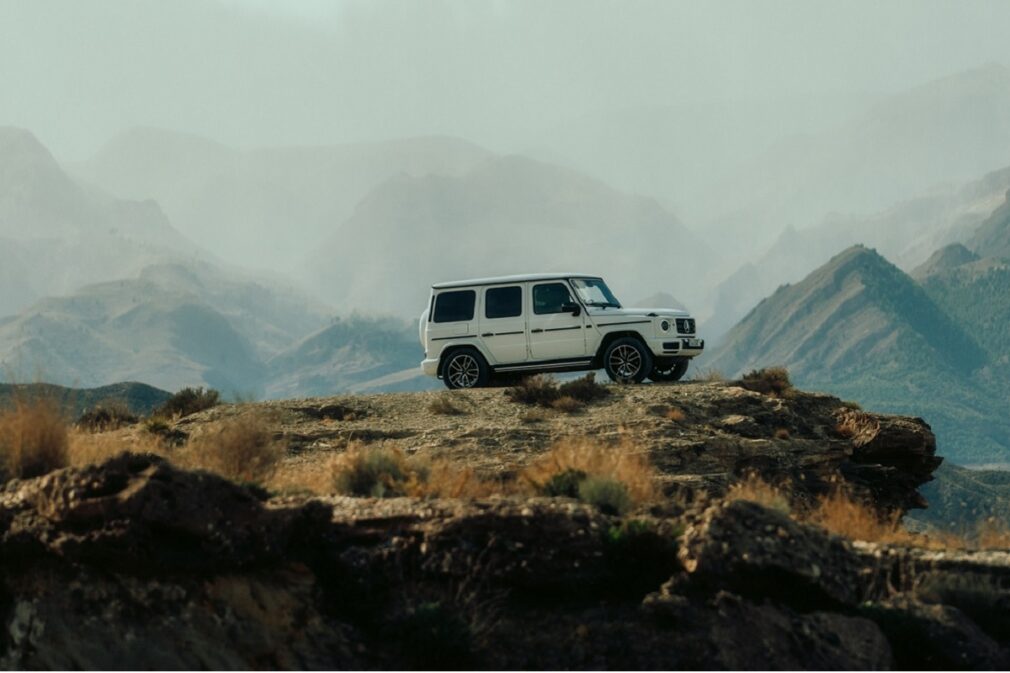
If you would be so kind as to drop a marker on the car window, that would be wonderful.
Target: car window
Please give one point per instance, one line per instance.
(550, 297)
(456, 306)
(503, 302)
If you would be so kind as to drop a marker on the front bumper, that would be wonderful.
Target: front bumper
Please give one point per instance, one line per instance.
(430, 366)
(688, 347)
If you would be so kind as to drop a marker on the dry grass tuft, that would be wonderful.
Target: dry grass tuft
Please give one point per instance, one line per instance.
(773, 381)
(841, 513)
(544, 391)
(383, 471)
(755, 489)
(539, 390)
(708, 376)
(445, 406)
(242, 449)
(533, 416)
(674, 414)
(621, 463)
(86, 448)
(567, 404)
(33, 439)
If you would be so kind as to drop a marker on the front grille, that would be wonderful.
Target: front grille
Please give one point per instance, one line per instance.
(685, 325)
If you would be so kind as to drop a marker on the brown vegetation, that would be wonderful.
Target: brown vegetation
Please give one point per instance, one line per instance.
(755, 489)
(445, 406)
(544, 391)
(243, 449)
(585, 459)
(773, 381)
(106, 416)
(188, 401)
(33, 439)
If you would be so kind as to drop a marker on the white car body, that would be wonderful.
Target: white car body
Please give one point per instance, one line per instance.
(515, 325)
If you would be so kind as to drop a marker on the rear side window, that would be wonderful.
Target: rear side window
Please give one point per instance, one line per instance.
(455, 306)
(503, 302)
(550, 297)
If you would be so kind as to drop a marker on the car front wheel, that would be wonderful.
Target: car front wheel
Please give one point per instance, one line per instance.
(627, 360)
(465, 369)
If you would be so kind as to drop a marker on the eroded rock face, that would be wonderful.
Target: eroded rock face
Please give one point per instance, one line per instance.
(135, 564)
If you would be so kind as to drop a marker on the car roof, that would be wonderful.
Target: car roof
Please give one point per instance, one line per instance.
(520, 278)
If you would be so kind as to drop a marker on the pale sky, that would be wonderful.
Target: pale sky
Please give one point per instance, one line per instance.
(259, 72)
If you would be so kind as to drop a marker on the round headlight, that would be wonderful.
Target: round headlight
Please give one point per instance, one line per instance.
(665, 325)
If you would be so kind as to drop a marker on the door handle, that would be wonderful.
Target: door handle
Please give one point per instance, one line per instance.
(535, 331)
(487, 334)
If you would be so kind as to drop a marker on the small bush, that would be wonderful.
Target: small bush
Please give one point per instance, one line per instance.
(606, 494)
(444, 405)
(387, 472)
(566, 404)
(544, 391)
(33, 440)
(755, 489)
(188, 401)
(242, 449)
(534, 390)
(773, 381)
(584, 389)
(782, 433)
(564, 484)
(105, 417)
(553, 472)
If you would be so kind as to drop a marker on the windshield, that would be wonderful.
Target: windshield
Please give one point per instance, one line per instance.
(594, 292)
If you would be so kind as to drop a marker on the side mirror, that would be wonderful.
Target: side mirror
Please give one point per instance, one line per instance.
(571, 307)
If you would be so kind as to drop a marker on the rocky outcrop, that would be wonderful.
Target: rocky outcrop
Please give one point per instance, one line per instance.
(136, 564)
(700, 436)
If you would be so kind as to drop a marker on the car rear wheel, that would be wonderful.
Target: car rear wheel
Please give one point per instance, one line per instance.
(672, 371)
(627, 360)
(465, 369)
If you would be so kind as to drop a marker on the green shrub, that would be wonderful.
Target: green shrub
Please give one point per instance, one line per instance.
(564, 484)
(188, 401)
(372, 472)
(106, 416)
(606, 494)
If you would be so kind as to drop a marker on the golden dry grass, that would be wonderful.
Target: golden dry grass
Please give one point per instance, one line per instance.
(33, 439)
(566, 404)
(242, 449)
(622, 463)
(755, 489)
(88, 448)
(445, 406)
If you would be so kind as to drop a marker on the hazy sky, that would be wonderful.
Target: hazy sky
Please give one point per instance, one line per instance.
(258, 72)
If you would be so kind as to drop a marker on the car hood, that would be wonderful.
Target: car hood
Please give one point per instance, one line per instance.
(598, 312)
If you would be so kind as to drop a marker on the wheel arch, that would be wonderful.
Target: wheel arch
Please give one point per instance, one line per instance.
(611, 337)
(456, 347)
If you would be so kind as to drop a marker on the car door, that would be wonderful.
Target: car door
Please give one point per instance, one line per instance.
(555, 333)
(503, 323)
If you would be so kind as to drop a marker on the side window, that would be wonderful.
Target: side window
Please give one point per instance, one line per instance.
(550, 297)
(503, 302)
(456, 306)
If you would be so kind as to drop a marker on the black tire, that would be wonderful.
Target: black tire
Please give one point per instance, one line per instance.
(627, 360)
(465, 368)
(672, 371)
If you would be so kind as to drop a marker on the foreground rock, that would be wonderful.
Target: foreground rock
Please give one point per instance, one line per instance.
(135, 564)
(700, 436)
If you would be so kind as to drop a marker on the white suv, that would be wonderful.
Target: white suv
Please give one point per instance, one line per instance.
(557, 322)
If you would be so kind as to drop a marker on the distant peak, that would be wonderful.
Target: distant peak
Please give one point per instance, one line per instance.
(948, 257)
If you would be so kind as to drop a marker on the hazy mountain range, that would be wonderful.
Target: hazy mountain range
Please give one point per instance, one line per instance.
(935, 345)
